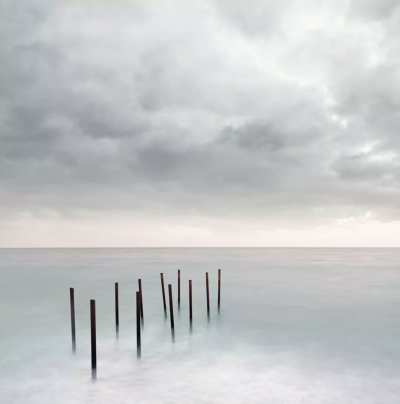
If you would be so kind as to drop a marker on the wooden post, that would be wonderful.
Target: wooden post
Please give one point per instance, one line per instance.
(72, 300)
(190, 302)
(179, 287)
(138, 310)
(208, 296)
(116, 308)
(141, 298)
(93, 337)
(163, 291)
(219, 288)
(171, 311)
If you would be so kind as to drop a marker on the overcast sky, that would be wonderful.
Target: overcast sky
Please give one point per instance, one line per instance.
(200, 123)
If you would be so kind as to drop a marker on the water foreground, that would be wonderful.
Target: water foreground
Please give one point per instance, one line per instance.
(315, 326)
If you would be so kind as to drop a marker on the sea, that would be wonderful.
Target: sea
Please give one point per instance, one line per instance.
(309, 326)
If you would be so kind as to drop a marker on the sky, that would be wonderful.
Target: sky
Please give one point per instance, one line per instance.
(204, 123)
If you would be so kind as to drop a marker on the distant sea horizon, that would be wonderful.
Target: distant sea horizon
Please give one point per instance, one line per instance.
(220, 247)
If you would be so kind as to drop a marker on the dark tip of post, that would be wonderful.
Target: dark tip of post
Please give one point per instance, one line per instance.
(116, 309)
(141, 298)
(179, 287)
(72, 301)
(163, 291)
(190, 304)
(208, 296)
(171, 312)
(93, 337)
(138, 339)
(219, 289)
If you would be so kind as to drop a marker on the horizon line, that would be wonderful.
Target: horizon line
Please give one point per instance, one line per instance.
(216, 247)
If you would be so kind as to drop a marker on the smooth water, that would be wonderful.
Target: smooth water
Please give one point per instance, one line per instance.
(295, 326)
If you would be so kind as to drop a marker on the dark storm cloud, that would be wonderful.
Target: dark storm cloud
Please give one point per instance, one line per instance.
(222, 107)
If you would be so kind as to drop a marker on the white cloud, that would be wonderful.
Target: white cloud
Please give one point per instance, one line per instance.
(279, 114)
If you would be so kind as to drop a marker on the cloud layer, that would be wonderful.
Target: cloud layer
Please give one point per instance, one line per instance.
(273, 114)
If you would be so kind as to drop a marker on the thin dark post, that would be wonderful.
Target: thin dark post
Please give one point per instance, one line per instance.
(138, 340)
(163, 291)
(116, 308)
(190, 302)
(208, 296)
(171, 311)
(141, 298)
(93, 335)
(219, 288)
(179, 287)
(72, 300)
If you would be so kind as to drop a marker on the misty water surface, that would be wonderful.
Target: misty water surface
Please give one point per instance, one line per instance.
(316, 326)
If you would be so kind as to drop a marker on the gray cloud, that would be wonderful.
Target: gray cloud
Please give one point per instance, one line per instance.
(262, 110)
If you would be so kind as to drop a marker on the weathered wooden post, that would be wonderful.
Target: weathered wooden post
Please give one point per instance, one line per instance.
(208, 296)
(72, 301)
(93, 337)
(138, 339)
(190, 303)
(171, 312)
(141, 298)
(179, 287)
(116, 308)
(219, 288)
(163, 292)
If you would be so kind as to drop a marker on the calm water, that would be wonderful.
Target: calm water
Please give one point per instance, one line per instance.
(295, 326)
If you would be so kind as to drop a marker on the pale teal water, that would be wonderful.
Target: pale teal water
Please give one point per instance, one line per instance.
(296, 326)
